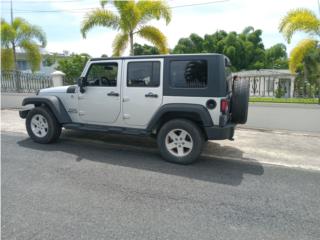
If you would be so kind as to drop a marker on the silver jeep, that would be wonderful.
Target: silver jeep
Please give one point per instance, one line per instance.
(182, 100)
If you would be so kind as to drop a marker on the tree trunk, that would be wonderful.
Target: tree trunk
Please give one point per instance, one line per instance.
(14, 56)
(305, 79)
(131, 43)
(15, 72)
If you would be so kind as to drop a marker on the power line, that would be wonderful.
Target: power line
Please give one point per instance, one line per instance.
(86, 9)
(197, 4)
(39, 2)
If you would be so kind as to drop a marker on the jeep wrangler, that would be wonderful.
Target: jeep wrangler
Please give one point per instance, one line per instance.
(181, 100)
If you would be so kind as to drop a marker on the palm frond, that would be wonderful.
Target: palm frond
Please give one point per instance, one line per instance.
(33, 54)
(28, 32)
(299, 52)
(130, 15)
(7, 59)
(155, 36)
(37, 33)
(120, 43)
(154, 9)
(299, 20)
(8, 34)
(99, 17)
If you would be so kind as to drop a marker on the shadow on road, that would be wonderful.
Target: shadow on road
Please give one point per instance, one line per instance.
(123, 151)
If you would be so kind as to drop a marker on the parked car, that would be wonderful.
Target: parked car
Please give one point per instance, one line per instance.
(181, 100)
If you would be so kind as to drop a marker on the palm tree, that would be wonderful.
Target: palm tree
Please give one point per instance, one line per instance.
(302, 20)
(306, 21)
(130, 20)
(24, 35)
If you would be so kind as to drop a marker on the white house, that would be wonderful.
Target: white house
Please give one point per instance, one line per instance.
(265, 82)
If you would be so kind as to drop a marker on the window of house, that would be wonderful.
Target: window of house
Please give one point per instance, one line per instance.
(103, 74)
(189, 74)
(22, 65)
(143, 74)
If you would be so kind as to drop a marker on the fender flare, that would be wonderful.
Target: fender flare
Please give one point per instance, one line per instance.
(53, 103)
(181, 108)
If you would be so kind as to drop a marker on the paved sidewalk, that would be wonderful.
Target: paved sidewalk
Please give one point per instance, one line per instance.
(267, 147)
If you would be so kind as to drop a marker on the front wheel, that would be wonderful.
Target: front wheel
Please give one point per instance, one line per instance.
(42, 126)
(180, 141)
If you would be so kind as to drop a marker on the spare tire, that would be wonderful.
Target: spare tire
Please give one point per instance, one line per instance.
(240, 101)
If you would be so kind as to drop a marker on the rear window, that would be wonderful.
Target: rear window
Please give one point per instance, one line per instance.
(189, 74)
(143, 74)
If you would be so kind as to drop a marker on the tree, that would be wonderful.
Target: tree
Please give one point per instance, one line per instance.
(303, 57)
(245, 50)
(27, 37)
(144, 49)
(276, 57)
(131, 20)
(300, 20)
(73, 66)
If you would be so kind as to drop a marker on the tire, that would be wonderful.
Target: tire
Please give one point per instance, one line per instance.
(186, 148)
(240, 101)
(42, 126)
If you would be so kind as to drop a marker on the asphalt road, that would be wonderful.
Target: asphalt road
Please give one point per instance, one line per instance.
(292, 117)
(89, 190)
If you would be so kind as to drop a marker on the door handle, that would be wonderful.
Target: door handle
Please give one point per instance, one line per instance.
(151, 95)
(114, 94)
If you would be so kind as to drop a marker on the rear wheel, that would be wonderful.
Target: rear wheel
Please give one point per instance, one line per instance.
(42, 126)
(240, 101)
(180, 141)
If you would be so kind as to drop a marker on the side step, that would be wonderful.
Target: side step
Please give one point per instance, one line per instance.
(106, 129)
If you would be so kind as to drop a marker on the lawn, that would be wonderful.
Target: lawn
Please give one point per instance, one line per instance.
(285, 100)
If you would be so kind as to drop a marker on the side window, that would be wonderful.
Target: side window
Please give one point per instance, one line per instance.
(189, 74)
(102, 74)
(143, 74)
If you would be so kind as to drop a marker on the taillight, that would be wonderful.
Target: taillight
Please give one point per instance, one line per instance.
(224, 108)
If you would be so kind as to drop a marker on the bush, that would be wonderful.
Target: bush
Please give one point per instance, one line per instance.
(279, 92)
(284, 100)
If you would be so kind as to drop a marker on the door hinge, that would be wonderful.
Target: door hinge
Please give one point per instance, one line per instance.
(126, 99)
(126, 116)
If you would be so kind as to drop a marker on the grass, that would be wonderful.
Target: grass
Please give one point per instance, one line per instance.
(285, 100)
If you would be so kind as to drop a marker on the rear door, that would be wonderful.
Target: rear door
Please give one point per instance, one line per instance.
(142, 90)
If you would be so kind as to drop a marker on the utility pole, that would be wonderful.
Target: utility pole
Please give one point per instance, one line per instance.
(11, 12)
(17, 80)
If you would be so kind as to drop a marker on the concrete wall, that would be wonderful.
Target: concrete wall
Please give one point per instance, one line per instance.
(13, 100)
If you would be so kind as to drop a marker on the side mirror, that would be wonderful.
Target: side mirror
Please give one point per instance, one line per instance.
(82, 83)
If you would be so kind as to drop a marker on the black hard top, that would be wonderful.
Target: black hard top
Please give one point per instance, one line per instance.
(159, 56)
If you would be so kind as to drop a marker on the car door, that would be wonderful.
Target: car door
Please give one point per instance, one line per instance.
(100, 103)
(142, 90)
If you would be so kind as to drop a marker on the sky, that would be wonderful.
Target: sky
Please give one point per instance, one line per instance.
(61, 20)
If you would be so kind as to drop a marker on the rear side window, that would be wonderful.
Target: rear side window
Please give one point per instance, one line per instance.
(189, 74)
(143, 74)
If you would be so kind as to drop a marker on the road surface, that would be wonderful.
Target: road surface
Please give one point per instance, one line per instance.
(95, 190)
(292, 117)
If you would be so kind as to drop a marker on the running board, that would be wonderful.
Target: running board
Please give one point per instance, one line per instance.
(106, 129)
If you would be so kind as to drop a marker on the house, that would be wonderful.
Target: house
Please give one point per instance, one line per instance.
(24, 66)
(265, 82)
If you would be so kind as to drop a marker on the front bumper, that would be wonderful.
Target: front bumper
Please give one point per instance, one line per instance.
(220, 133)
